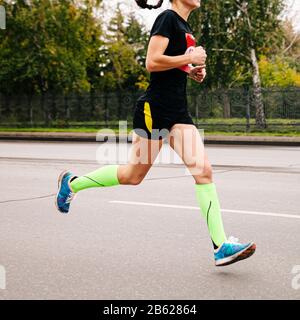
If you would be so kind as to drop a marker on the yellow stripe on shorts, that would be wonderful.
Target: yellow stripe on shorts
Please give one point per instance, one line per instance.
(148, 117)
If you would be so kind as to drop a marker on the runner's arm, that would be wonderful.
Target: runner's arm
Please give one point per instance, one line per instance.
(157, 61)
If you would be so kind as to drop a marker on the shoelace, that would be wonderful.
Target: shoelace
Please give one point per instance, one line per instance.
(70, 197)
(233, 240)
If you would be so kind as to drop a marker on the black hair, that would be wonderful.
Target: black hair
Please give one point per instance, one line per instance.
(143, 4)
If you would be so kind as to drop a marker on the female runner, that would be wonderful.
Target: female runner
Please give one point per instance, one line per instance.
(162, 113)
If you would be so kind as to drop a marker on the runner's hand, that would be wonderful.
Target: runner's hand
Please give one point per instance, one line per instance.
(198, 56)
(198, 73)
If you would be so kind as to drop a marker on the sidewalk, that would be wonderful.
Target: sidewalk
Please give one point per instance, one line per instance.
(91, 137)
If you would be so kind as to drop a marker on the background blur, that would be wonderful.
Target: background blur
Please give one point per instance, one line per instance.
(80, 65)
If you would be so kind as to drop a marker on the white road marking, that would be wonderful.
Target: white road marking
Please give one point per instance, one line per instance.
(161, 205)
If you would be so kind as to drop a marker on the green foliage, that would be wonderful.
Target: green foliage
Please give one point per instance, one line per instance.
(289, 47)
(48, 46)
(125, 53)
(62, 46)
(278, 73)
(229, 29)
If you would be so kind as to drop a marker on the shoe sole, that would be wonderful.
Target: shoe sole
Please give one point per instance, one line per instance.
(246, 253)
(59, 185)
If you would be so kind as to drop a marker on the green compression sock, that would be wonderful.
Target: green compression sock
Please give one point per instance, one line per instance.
(103, 177)
(210, 207)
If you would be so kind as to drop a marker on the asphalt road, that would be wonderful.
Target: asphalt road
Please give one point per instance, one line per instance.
(148, 241)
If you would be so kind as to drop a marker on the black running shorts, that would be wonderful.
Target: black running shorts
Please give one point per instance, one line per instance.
(150, 123)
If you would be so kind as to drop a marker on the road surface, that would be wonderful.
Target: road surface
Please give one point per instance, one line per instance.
(148, 241)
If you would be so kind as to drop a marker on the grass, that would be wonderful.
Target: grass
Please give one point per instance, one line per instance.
(257, 134)
(43, 129)
(207, 132)
(220, 126)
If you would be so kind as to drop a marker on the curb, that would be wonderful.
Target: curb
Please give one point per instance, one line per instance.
(91, 137)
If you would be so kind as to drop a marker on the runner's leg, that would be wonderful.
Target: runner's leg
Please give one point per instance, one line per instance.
(186, 141)
(143, 154)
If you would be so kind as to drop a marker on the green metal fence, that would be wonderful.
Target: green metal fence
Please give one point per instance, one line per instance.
(231, 110)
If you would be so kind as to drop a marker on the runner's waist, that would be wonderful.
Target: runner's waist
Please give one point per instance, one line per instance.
(160, 106)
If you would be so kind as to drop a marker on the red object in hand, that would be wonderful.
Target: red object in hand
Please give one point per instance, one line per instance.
(190, 43)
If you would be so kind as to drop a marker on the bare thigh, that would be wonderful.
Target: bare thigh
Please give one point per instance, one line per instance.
(186, 141)
(142, 156)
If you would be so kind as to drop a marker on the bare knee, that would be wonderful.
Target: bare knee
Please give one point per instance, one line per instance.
(135, 180)
(129, 177)
(205, 176)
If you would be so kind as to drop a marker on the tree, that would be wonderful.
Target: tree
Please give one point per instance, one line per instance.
(289, 48)
(243, 30)
(47, 47)
(137, 36)
(278, 73)
(125, 51)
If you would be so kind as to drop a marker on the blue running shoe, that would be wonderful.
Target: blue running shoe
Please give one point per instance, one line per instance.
(231, 251)
(64, 195)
